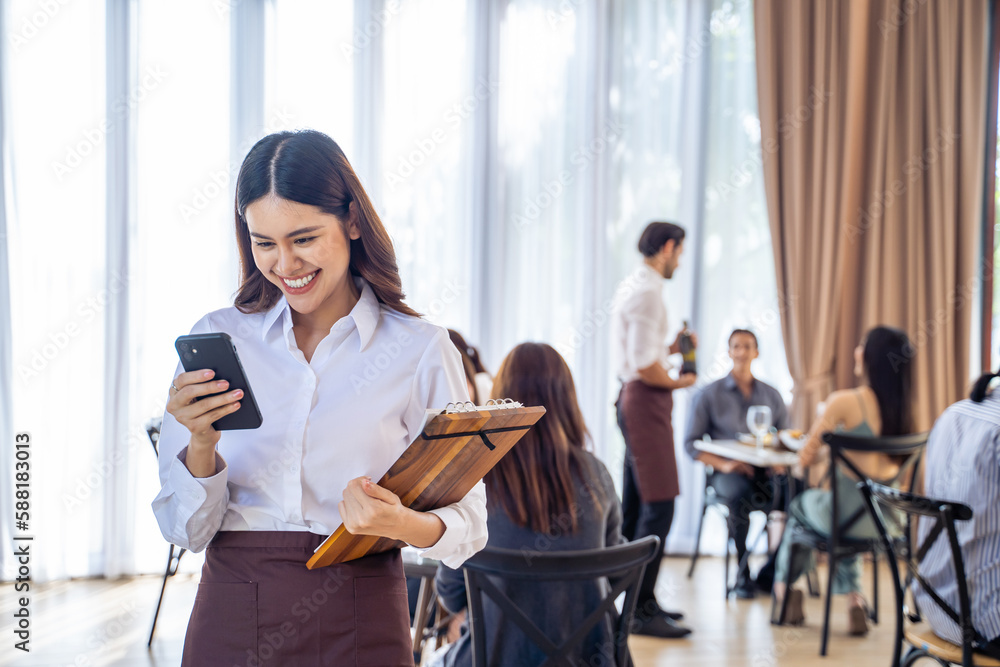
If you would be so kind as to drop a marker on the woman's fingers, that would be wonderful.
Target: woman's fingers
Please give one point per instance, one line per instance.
(192, 377)
(367, 509)
(373, 490)
(196, 409)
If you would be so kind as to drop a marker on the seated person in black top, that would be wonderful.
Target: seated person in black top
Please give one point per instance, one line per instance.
(720, 411)
(547, 494)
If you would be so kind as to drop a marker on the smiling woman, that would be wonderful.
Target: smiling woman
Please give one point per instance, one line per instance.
(319, 302)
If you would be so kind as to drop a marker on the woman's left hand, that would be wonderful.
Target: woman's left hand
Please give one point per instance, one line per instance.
(369, 509)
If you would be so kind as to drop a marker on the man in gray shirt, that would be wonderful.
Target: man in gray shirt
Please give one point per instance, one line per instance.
(720, 411)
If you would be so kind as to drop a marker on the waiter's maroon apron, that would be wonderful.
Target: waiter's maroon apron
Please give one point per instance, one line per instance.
(647, 415)
(258, 604)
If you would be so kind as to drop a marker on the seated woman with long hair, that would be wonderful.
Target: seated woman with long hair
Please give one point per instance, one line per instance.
(882, 405)
(547, 494)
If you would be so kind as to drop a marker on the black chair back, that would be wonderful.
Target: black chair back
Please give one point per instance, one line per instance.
(944, 514)
(837, 544)
(909, 447)
(622, 565)
(153, 431)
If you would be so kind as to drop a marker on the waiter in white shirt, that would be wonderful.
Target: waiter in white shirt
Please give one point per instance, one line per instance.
(343, 372)
(644, 411)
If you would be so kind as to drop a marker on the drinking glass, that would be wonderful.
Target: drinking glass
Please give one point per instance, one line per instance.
(759, 422)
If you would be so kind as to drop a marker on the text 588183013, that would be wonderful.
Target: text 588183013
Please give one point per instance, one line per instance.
(22, 542)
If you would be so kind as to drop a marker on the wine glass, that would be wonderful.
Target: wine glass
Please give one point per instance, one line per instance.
(759, 422)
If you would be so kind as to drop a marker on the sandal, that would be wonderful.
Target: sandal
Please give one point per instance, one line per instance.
(794, 615)
(857, 620)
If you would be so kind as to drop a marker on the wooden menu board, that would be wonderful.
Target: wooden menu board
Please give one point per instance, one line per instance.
(455, 449)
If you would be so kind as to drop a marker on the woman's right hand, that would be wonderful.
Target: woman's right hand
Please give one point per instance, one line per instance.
(198, 416)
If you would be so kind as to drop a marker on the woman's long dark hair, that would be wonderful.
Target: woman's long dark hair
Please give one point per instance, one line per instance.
(888, 362)
(533, 483)
(981, 389)
(309, 167)
(470, 351)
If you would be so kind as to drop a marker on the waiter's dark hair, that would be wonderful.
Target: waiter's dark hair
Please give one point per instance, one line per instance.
(309, 167)
(533, 483)
(888, 363)
(657, 234)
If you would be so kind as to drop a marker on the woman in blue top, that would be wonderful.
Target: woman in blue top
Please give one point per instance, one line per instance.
(882, 405)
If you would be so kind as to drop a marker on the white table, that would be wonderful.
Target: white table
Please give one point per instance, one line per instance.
(768, 457)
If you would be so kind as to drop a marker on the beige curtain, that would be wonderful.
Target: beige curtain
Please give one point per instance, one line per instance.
(873, 118)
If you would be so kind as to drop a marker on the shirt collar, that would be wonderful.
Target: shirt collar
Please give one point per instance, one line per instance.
(273, 315)
(645, 274)
(730, 383)
(365, 313)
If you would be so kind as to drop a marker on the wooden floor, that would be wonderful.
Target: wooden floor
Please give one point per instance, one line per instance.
(97, 623)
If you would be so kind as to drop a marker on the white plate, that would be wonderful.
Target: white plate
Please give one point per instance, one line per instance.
(794, 444)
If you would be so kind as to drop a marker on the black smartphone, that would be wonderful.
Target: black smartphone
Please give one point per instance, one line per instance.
(217, 352)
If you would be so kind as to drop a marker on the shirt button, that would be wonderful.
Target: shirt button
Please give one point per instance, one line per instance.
(294, 468)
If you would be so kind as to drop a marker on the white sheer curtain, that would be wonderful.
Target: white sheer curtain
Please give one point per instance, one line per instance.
(7, 423)
(425, 165)
(184, 258)
(59, 282)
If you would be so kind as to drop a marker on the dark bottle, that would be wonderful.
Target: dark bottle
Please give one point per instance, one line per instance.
(687, 351)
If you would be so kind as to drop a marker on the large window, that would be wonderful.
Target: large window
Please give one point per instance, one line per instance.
(514, 150)
(59, 281)
(184, 260)
(425, 164)
(310, 72)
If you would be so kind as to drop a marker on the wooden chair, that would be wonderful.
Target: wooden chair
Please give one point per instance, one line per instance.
(622, 565)
(923, 642)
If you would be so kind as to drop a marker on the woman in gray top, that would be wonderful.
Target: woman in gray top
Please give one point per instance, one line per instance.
(547, 494)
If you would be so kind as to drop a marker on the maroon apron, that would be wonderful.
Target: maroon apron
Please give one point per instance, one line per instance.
(647, 416)
(258, 605)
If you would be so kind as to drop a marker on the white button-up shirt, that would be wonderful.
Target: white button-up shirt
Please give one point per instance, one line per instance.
(639, 324)
(350, 411)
